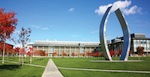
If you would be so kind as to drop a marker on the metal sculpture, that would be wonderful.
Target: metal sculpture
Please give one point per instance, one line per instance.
(126, 35)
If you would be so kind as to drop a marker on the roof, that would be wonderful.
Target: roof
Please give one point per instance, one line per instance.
(65, 43)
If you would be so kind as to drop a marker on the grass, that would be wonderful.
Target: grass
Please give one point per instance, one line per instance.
(9, 69)
(86, 63)
(74, 73)
(16, 70)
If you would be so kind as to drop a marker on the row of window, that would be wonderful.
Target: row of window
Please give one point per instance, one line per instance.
(141, 41)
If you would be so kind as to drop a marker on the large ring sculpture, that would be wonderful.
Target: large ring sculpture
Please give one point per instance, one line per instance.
(126, 35)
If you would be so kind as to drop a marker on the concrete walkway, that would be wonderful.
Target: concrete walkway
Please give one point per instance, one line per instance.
(51, 70)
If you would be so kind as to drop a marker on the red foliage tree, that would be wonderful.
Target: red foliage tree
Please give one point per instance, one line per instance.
(55, 54)
(22, 51)
(112, 53)
(1, 47)
(46, 53)
(9, 49)
(8, 24)
(17, 50)
(40, 53)
(73, 54)
(30, 52)
(64, 54)
(96, 54)
(88, 54)
(140, 50)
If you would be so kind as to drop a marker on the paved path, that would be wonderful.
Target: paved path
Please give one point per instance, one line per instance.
(51, 70)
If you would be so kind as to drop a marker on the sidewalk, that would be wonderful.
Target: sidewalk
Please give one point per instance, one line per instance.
(51, 70)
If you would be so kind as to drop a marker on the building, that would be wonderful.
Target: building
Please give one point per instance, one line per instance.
(8, 48)
(67, 47)
(81, 48)
(137, 40)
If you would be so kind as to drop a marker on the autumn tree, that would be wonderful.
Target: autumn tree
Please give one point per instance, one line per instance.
(88, 54)
(73, 54)
(55, 54)
(40, 53)
(8, 24)
(30, 53)
(24, 39)
(17, 51)
(9, 49)
(96, 54)
(112, 53)
(64, 54)
(140, 50)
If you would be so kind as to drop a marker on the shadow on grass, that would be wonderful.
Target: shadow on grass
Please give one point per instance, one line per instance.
(9, 67)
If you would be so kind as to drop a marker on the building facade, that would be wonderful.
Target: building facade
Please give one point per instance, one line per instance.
(137, 40)
(67, 47)
(81, 48)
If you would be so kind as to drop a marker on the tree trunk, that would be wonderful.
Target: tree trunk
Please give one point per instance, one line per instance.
(3, 61)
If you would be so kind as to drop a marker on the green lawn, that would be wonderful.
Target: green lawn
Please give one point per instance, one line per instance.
(10, 69)
(16, 70)
(86, 63)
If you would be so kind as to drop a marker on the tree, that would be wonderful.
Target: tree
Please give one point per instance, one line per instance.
(96, 54)
(64, 54)
(24, 38)
(73, 54)
(112, 53)
(88, 54)
(17, 51)
(30, 53)
(39, 53)
(140, 50)
(8, 24)
(9, 49)
(55, 54)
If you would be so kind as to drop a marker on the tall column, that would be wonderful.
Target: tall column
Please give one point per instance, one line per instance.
(75, 51)
(90, 50)
(59, 51)
(70, 51)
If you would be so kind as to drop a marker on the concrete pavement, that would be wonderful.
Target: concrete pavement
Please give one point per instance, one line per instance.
(51, 70)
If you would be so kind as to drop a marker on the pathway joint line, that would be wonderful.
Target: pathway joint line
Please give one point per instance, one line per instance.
(101, 70)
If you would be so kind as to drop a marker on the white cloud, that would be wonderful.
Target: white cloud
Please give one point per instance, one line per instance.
(132, 10)
(40, 27)
(123, 5)
(71, 9)
(45, 28)
(35, 26)
(102, 9)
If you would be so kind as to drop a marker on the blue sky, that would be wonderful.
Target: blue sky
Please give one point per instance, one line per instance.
(77, 20)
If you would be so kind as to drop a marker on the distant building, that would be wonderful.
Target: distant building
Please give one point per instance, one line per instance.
(78, 48)
(67, 47)
(8, 47)
(137, 40)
